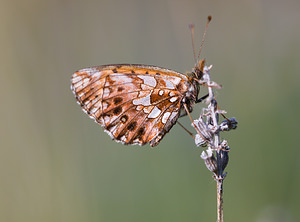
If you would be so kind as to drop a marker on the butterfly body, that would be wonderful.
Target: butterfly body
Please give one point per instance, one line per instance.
(135, 104)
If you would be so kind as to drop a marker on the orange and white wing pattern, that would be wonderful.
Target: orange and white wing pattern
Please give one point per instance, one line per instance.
(136, 104)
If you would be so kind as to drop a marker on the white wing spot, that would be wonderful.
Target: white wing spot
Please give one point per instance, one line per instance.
(148, 80)
(76, 79)
(120, 76)
(123, 119)
(85, 82)
(123, 138)
(106, 92)
(113, 128)
(138, 108)
(175, 80)
(147, 109)
(154, 113)
(97, 104)
(173, 115)
(106, 119)
(173, 99)
(78, 84)
(93, 110)
(171, 93)
(169, 85)
(165, 117)
(104, 105)
(145, 101)
(145, 87)
(161, 92)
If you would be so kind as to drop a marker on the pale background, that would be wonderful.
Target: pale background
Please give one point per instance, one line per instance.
(58, 165)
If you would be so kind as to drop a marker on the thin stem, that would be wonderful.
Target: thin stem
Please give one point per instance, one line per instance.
(219, 178)
(208, 128)
(220, 199)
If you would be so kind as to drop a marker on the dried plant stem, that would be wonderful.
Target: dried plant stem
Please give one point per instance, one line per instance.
(219, 179)
(208, 128)
(220, 200)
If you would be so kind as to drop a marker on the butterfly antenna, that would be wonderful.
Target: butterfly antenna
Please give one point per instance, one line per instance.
(192, 28)
(203, 38)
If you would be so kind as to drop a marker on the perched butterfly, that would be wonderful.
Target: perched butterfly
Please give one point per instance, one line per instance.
(136, 104)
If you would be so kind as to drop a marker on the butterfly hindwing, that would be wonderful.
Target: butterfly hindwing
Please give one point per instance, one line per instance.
(136, 104)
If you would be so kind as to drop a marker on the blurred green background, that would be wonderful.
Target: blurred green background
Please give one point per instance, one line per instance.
(56, 164)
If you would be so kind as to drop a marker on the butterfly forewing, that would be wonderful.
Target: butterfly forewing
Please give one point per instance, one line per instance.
(136, 104)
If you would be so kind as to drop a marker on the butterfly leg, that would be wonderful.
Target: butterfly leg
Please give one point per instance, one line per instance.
(186, 130)
(201, 99)
(188, 112)
(182, 113)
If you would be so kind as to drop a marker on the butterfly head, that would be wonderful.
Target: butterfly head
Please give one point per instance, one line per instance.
(198, 70)
(193, 85)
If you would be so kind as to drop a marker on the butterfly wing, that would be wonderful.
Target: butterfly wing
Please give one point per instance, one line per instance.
(136, 104)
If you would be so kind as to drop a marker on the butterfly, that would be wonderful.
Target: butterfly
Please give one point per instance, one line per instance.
(136, 104)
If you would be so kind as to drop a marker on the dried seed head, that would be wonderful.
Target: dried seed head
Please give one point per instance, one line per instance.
(199, 141)
(210, 160)
(205, 136)
(228, 124)
(222, 157)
